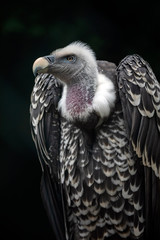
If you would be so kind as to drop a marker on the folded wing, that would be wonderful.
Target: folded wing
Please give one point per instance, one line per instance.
(139, 92)
(45, 128)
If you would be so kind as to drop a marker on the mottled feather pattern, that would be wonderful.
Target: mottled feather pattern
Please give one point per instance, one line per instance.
(43, 95)
(138, 84)
(99, 182)
(103, 172)
(44, 100)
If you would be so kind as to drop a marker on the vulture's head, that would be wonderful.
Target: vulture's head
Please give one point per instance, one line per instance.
(85, 90)
(68, 63)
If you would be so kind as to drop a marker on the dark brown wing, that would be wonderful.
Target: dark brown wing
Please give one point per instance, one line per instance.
(45, 128)
(140, 97)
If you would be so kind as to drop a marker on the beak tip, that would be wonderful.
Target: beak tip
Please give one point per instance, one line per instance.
(39, 64)
(35, 71)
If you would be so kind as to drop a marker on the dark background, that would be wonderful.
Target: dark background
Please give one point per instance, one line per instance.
(29, 31)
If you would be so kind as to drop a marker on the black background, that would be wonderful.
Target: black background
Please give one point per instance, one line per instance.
(28, 31)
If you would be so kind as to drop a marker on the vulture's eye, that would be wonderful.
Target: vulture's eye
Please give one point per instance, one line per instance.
(71, 58)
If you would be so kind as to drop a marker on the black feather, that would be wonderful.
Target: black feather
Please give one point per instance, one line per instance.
(101, 182)
(143, 131)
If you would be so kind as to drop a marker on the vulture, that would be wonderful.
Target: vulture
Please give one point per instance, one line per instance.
(96, 128)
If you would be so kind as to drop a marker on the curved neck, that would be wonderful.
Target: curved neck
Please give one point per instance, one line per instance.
(77, 97)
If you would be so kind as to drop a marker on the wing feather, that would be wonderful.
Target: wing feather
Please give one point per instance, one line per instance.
(45, 128)
(140, 99)
(139, 92)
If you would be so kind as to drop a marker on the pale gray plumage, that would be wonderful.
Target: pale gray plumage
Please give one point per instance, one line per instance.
(92, 125)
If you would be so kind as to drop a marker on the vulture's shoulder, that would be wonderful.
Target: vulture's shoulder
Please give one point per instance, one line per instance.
(108, 69)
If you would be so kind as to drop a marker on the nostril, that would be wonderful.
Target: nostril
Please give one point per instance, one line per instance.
(49, 58)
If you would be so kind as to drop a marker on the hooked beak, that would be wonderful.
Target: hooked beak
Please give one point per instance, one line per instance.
(42, 64)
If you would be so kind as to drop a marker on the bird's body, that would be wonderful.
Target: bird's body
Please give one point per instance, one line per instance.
(100, 178)
(92, 133)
